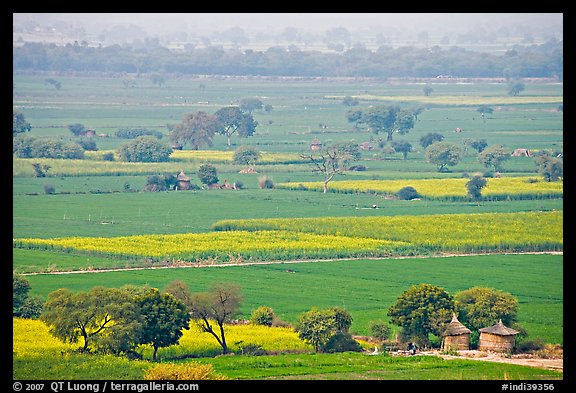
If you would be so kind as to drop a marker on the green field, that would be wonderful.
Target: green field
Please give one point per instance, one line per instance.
(96, 198)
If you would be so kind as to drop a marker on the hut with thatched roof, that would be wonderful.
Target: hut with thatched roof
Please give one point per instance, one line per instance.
(183, 181)
(316, 144)
(497, 338)
(456, 336)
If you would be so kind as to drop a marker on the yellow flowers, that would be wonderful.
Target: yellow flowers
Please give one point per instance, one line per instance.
(333, 237)
(442, 188)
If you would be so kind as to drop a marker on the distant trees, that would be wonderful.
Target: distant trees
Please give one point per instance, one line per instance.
(24, 146)
(474, 187)
(246, 155)
(551, 168)
(234, 121)
(516, 87)
(144, 149)
(19, 123)
(494, 156)
(430, 138)
(329, 162)
(250, 104)
(443, 154)
(388, 119)
(196, 129)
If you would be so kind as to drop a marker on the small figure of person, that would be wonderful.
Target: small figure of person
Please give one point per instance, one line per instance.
(412, 348)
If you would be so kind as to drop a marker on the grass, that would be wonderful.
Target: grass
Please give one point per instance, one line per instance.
(366, 288)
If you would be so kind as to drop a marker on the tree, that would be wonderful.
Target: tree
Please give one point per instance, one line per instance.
(430, 138)
(427, 90)
(474, 187)
(20, 288)
(355, 116)
(328, 163)
(246, 155)
(550, 167)
(327, 330)
(407, 193)
(155, 183)
(220, 304)
(196, 129)
(262, 316)
(421, 310)
(19, 123)
(480, 307)
(483, 110)
(380, 330)
(163, 318)
(493, 156)
(144, 149)
(233, 120)
(478, 144)
(443, 154)
(101, 316)
(402, 147)
(77, 129)
(249, 105)
(389, 119)
(515, 87)
(207, 174)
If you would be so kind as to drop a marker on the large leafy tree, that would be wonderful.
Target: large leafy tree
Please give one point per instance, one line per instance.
(551, 168)
(389, 119)
(327, 330)
(421, 310)
(107, 317)
(234, 121)
(163, 318)
(443, 154)
(493, 156)
(217, 306)
(480, 307)
(197, 129)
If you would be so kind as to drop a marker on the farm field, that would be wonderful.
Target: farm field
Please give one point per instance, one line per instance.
(357, 246)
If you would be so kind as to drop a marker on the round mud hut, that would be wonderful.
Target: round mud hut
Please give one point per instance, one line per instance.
(183, 181)
(456, 336)
(497, 338)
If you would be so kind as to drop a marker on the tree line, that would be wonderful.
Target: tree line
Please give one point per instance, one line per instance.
(544, 60)
(120, 320)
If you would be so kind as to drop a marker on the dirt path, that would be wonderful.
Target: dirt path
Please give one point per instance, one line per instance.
(183, 264)
(523, 360)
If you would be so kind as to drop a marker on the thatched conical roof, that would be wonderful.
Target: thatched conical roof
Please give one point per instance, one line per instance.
(182, 177)
(456, 328)
(499, 329)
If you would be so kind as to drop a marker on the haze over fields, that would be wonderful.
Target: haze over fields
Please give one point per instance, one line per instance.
(304, 30)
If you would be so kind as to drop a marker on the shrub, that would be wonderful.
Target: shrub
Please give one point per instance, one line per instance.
(49, 189)
(379, 330)
(265, 182)
(342, 342)
(188, 371)
(262, 316)
(407, 193)
(108, 156)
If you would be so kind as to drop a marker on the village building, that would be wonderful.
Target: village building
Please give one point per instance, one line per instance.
(316, 144)
(183, 181)
(456, 336)
(497, 338)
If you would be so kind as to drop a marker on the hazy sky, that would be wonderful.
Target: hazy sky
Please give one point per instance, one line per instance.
(155, 22)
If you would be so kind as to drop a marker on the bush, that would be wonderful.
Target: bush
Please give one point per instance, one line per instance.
(407, 193)
(265, 182)
(145, 149)
(190, 371)
(262, 316)
(49, 189)
(342, 342)
(380, 330)
(207, 174)
(109, 156)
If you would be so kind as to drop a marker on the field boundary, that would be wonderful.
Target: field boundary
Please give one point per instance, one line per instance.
(277, 262)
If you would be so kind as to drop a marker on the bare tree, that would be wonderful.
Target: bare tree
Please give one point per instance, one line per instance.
(328, 163)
